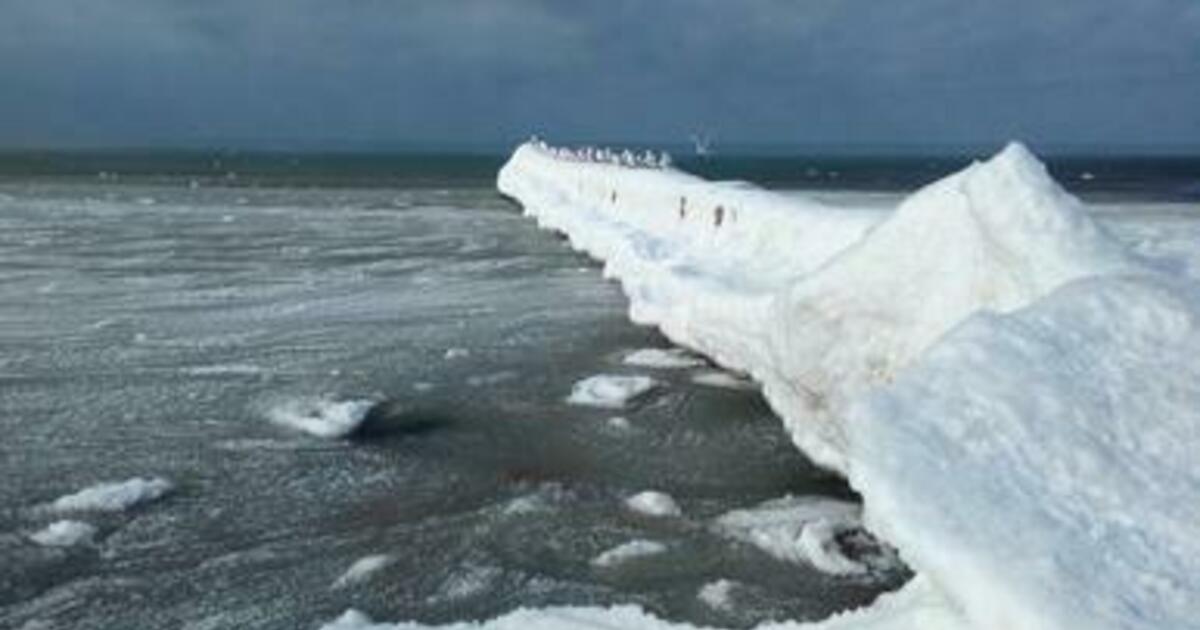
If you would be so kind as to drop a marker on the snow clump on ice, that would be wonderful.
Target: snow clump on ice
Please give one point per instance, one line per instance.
(610, 391)
(64, 533)
(320, 417)
(113, 496)
(363, 569)
(623, 553)
(653, 503)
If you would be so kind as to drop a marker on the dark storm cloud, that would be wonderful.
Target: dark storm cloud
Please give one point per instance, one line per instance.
(372, 73)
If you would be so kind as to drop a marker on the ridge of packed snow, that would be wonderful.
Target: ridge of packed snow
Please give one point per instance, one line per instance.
(996, 236)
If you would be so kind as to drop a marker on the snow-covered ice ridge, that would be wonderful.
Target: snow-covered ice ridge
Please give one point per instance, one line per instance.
(1014, 395)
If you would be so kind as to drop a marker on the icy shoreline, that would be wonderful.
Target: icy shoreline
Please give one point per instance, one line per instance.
(1012, 392)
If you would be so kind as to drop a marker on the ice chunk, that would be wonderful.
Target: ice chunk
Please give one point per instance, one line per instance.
(724, 380)
(113, 496)
(718, 595)
(653, 503)
(64, 533)
(623, 553)
(663, 358)
(618, 423)
(363, 569)
(320, 416)
(610, 391)
(812, 530)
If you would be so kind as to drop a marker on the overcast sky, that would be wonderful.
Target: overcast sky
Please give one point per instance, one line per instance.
(382, 74)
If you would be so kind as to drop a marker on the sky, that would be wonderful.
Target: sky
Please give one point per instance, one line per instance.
(375, 74)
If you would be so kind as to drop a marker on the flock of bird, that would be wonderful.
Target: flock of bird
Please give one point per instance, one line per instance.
(626, 158)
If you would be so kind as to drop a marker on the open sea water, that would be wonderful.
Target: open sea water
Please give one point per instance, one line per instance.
(154, 323)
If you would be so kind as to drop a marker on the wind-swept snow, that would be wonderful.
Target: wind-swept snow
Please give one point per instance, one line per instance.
(1013, 394)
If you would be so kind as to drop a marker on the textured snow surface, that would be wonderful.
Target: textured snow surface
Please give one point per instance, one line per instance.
(610, 391)
(113, 496)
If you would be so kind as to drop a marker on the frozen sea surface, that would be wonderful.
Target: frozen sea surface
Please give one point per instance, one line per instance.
(429, 337)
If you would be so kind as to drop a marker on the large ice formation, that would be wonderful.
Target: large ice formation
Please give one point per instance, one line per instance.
(1014, 395)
